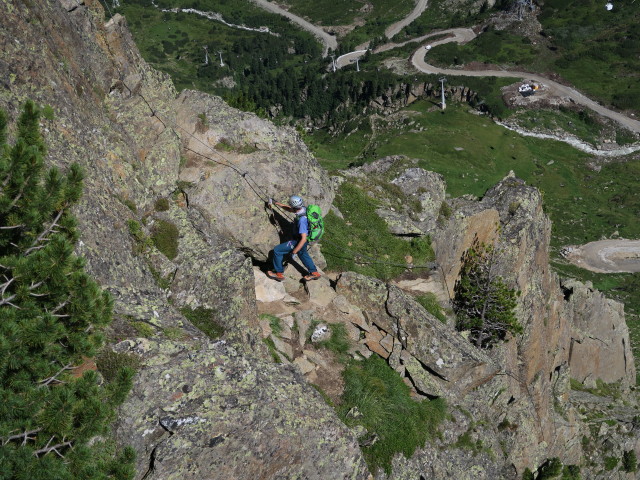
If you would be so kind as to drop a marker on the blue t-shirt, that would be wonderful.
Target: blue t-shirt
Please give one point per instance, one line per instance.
(301, 224)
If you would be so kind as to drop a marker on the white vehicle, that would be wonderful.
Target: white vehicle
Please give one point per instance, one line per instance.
(427, 47)
(526, 90)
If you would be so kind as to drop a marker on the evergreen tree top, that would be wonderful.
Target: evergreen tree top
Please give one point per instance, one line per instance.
(52, 315)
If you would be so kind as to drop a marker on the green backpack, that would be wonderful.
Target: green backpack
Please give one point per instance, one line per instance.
(316, 224)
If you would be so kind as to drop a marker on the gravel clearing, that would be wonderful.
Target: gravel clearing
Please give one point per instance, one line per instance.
(606, 256)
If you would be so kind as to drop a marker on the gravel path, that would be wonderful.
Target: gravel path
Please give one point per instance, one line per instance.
(329, 41)
(392, 30)
(607, 256)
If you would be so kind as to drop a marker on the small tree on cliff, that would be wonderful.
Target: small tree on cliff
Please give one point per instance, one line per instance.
(51, 313)
(483, 302)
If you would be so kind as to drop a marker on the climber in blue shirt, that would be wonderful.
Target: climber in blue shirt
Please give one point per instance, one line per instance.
(298, 245)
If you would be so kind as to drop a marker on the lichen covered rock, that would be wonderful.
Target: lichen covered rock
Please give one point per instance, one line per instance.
(205, 411)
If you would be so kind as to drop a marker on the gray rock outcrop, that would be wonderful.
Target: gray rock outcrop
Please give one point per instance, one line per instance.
(205, 411)
(236, 161)
(221, 408)
(600, 346)
(118, 118)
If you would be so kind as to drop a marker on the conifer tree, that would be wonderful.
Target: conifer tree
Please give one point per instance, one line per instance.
(52, 423)
(484, 304)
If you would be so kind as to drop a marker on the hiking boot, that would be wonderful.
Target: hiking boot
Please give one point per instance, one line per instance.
(277, 276)
(312, 276)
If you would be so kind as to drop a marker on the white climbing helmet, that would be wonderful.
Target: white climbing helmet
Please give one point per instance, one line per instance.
(295, 201)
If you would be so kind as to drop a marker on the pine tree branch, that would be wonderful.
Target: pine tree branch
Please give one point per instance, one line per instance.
(25, 436)
(54, 448)
(61, 305)
(7, 301)
(45, 233)
(20, 193)
(33, 286)
(12, 227)
(54, 378)
(5, 285)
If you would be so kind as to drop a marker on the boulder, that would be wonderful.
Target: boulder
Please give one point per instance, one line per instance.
(429, 188)
(304, 365)
(267, 290)
(423, 381)
(303, 321)
(320, 291)
(398, 223)
(282, 347)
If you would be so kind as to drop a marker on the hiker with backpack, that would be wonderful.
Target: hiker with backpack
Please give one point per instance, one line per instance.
(307, 227)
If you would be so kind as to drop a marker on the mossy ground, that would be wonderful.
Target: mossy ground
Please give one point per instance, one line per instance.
(431, 305)
(164, 235)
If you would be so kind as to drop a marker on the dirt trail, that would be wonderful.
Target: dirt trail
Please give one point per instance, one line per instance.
(607, 256)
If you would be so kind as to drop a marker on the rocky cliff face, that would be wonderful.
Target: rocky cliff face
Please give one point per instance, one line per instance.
(172, 220)
(123, 122)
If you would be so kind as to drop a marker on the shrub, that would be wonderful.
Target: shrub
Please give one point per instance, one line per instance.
(387, 410)
(483, 302)
(130, 204)
(47, 112)
(164, 235)
(629, 461)
(143, 329)
(162, 205)
(445, 210)
(202, 318)
(430, 303)
(571, 472)
(550, 469)
(110, 363)
(610, 463)
(53, 314)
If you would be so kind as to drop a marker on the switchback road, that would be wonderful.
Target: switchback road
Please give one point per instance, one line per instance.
(329, 41)
(464, 35)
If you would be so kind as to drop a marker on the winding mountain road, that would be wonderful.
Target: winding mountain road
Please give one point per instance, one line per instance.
(460, 36)
(393, 29)
(329, 41)
(464, 35)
